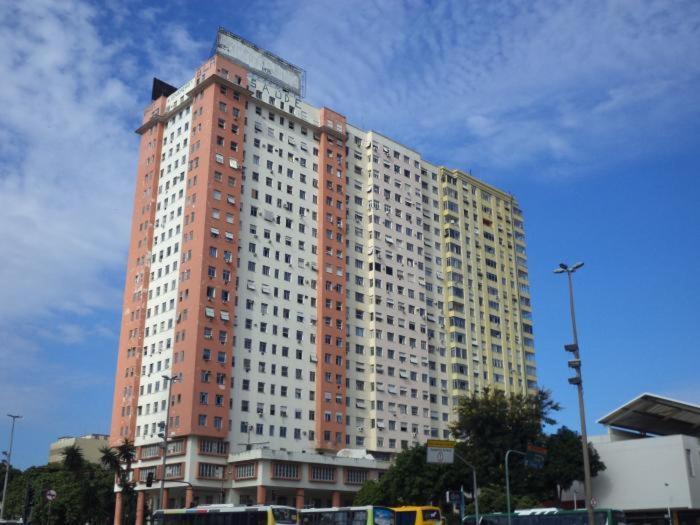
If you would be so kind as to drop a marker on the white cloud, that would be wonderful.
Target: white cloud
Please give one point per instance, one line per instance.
(67, 168)
(502, 85)
(72, 92)
(65, 188)
(495, 85)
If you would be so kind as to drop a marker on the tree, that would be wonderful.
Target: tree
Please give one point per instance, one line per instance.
(487, 426)
(118, 461)
(73, 459)
(13, 475)
(410, 481)
(368, 494)
(564, 462)
(491, 423)
(88, 497)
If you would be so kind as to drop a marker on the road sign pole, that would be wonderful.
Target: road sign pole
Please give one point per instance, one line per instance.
(50, 495)
(442, 451)
(508, 482)
(476, 497)
(475, 488)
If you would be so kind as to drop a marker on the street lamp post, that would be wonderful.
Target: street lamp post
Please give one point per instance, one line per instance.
(508, 453)
(475, 489)
(9, 464)
(668, 504)
(170, 380)
(578, 381)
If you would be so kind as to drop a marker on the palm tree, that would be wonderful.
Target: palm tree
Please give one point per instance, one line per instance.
(127, 453)
(119, 460)
(110, 460)
(73, 460)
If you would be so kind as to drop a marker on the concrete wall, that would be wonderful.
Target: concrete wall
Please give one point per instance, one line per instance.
(637, 470)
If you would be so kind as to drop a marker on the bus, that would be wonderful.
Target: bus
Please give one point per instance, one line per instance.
(228, 514)
(414, 515)
(367, 515)
(550, 517)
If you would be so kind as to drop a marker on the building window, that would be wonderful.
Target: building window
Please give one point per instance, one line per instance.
(151, 451)
(322, 473)
(356, 476)
(245, 471)
(173, 471)
(209, 470)
(213, 446)
(144, 472)
(176, 447)
(285, 471)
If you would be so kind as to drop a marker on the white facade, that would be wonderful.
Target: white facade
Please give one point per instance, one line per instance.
(397, 381)
(159, 332)
(646, 473)
(274, 375)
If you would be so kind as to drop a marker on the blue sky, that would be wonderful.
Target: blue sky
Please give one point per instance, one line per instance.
(586, 111)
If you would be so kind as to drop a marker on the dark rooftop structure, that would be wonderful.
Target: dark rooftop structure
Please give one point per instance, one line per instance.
(657, 415)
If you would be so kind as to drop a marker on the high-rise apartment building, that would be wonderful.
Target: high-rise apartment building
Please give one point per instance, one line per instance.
(310, 286)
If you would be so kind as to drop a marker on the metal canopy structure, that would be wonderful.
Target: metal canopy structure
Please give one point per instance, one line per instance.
(652, 414)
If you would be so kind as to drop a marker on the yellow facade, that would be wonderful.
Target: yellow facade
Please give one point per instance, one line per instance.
(488, 315)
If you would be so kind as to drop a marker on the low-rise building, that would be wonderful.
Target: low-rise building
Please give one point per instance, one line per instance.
(652, 458)
(90, 445)
(264, 476)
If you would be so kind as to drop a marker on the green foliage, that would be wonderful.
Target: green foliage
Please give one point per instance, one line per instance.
(85, 491)
(73, 460)
(409, 481)
(564, 463)
(84, 497)
(488, 425)
(118, 461)
(492, 498)
(369, 494)
(491, 423)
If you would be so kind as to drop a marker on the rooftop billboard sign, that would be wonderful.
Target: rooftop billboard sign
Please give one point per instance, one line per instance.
(260, 62)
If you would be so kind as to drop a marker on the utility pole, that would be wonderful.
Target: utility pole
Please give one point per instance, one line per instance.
(8, 466)
(578, 382)
(170, 380)
(508, 453)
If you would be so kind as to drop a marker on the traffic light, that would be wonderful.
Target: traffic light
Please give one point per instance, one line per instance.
(149, 479)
